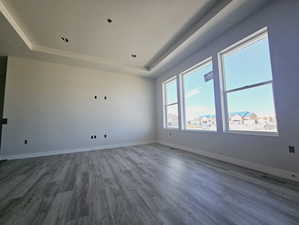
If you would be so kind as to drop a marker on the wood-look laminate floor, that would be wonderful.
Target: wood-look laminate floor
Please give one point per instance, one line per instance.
(149, 184)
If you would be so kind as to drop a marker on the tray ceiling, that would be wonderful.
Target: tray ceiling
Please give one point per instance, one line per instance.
(107, 33)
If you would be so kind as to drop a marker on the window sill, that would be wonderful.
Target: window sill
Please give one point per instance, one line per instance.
(170, 128)
(254, 133)
(200, 131)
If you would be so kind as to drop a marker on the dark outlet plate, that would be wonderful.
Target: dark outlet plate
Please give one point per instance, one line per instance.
(4, 121)
(292, 149)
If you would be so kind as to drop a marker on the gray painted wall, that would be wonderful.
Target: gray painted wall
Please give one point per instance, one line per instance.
(53, 106)
(282, 19)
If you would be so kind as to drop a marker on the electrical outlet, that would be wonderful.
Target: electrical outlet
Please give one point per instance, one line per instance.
(107, 98)
(292, 149)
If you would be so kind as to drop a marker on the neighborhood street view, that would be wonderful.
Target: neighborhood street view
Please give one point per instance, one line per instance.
(243, 121)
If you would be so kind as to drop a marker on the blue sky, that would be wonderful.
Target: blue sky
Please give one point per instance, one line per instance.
(199, 94)
(171, 90)
(249, 66)
(242, 67)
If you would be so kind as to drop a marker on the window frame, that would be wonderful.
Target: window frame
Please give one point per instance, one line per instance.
(245, 42)
(183, 105)
(165, 105)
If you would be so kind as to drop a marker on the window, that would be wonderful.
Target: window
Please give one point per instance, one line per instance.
(171, 115)
(198, 96)
(247, 84)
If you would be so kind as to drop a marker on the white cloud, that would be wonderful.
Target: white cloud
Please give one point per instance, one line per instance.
(192, 93)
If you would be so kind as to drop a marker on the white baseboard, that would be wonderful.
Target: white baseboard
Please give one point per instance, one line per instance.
(67, 151)
(243, 163)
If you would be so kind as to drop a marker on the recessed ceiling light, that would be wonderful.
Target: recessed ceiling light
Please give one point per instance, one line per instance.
(64, 38)
(133, 55)
(109, 20)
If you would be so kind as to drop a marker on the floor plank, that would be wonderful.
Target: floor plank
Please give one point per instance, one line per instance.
(148, 184)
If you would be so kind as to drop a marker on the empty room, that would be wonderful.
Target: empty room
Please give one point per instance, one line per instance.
(159, 112)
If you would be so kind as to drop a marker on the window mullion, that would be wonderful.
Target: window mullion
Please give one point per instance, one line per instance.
(180, 102)
(249, 86)
(172, 104)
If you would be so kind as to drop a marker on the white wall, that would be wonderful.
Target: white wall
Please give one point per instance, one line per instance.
(282, 19)
(53, 106)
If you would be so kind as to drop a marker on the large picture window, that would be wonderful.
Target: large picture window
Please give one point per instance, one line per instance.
(171, 115)
(247, 84)
(198, 96)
